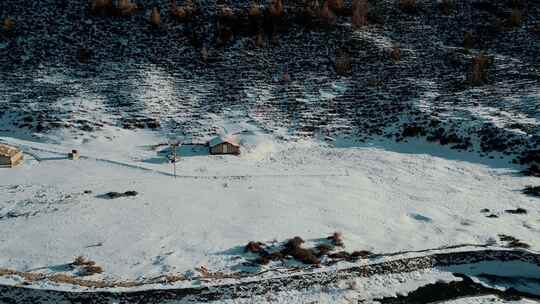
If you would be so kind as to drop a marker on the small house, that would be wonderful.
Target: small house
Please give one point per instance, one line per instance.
(10, 156)
(221, 145)
(74, 155)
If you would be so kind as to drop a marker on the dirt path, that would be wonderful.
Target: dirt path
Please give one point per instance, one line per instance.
(244, 289)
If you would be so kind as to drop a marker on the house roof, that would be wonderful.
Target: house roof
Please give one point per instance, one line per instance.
(220, 140)
(8, 151)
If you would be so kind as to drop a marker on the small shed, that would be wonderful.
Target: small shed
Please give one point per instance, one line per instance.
(221, 145)
(10, 156)
(74, 155)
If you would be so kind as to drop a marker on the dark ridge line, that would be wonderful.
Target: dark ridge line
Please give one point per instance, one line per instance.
(441, 291)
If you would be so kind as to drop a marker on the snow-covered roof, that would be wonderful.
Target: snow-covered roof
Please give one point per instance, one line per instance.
(220, 140)
(8, 151)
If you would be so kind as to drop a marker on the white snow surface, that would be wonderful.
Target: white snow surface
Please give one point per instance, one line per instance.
(383, 197)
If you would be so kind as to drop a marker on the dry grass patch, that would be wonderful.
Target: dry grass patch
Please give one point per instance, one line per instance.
(208, 275)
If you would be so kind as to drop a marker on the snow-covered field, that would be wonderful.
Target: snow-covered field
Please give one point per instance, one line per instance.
(384, 197)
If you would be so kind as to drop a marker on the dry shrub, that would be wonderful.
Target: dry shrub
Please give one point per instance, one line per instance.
(255, 11)
(227, 19)
(255, 17)
(468, 40)
(82, 261)
(184, 12)
(336, 238)
(336, 6)
(84, 55)
(102, 7)
(343, 62)
(328, 17)
(259, 40)
(447, 7)
(86, 266)
(275, 39)
(312, 9)
(155, 17)
(90, 270)
(204, 55)
(480, 65)
(408, 6)
(515, 18)
(253, 247)
(324, 249)
(359, 13)
(8, 24)
(126, 7)
(395, 53)
(276, 9)
(294, 249)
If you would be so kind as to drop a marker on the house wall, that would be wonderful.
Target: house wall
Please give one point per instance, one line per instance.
(225, 148)
(5, 161)
(11, 161)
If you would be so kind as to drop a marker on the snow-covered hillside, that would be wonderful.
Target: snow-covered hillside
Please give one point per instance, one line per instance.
(403, 179)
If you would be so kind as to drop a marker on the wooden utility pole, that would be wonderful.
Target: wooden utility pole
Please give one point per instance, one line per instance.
(173, 158)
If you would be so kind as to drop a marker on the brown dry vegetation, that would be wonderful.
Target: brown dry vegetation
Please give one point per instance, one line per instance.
(259, 40)
(468, 40)
(73, 280)
(207, 274)
(184, 12)
(395, 54)
(155, 17)
(336, 6)
(359, 13)
(102, 7)
(327, 15)
(8, 24)
(126, 7)
(480, 65)
(515, 18)
(336, 238)
(226, 19)
(447, 7)
(204, 55)
(82, 261)
(408, 6)
(276, 9)
(343, 62)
